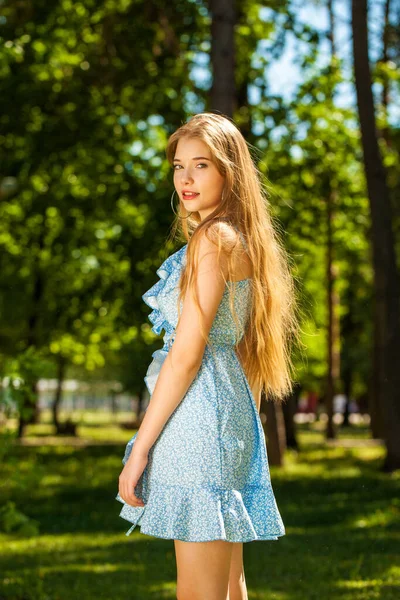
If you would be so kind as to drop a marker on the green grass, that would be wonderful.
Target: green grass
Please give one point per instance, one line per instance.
(341, 517)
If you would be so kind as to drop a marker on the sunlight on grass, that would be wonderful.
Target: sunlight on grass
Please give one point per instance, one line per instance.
(340, 512)
(379, 518)
(393, 573)
(91, 568)
(50, 480)
(267, 595)
(65, 542)
(165, 590)
(96, 426)
(357, 585)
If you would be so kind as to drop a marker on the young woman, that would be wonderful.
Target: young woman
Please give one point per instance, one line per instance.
(197, 469)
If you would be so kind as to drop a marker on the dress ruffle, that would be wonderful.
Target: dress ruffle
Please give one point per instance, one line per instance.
(154, 369)
(168, 272)
(202, 513)
(176, 512)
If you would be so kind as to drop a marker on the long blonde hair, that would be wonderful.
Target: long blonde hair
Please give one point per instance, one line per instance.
(273, 325)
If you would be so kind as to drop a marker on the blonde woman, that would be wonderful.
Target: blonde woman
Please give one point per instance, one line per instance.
(197, 470)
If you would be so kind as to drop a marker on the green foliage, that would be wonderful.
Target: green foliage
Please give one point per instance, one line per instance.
(89, 93)
(315, 159)
(21, 373)
(85, 203)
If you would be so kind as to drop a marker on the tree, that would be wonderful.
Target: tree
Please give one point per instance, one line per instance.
(84, 140)
(223, 93)
(386, 277)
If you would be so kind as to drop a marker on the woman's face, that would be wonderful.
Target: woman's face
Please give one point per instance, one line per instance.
(195, 172)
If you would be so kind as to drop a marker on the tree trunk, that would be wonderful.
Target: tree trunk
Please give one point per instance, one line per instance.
(289, 410)
(58, 396)
(333, 325)
(386, 278)
(333, 321)
(29, 410)
(275, 432)
(33, 319)
(347, 392)
(244, 111)
(223, 94)
(331, 29)
(350, 332)
(385, 82)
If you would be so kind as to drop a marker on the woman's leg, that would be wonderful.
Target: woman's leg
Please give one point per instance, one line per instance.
(203, 569)
(237, 581)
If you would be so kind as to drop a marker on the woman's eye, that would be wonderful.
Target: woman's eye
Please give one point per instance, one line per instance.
(198, 165)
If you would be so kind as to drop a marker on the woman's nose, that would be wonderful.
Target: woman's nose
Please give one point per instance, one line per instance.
(186, 176)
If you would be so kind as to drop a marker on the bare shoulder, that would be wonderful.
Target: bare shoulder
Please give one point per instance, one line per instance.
(215, 245)
(227, 237)
(222, 235)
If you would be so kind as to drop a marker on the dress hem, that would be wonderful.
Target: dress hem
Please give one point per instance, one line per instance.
(224, 539)
(176, 512)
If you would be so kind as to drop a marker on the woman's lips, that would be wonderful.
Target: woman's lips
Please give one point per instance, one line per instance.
(189, 196)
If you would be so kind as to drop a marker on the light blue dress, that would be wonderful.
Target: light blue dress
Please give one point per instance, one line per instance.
(207, 476)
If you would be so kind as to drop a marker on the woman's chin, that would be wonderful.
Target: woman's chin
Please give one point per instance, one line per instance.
(192, 206)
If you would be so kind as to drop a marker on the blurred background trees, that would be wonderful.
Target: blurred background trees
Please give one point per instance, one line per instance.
(90, 92)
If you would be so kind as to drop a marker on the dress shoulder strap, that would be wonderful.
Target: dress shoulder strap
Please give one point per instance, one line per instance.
(243, 239)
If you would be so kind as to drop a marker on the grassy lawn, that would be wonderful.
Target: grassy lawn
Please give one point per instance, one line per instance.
(342, 521)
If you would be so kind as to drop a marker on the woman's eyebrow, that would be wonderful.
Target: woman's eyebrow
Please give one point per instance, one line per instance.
(195, 158)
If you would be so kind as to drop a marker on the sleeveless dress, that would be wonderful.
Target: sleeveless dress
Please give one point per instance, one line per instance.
(207, 476)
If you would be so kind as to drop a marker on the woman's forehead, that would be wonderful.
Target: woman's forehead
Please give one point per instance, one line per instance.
(190, 145)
